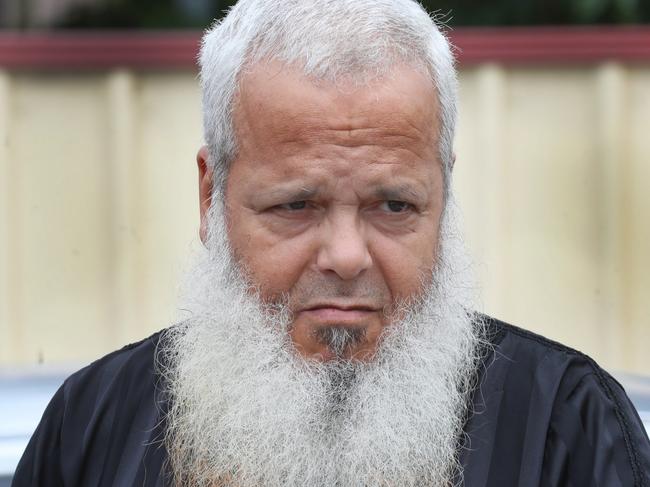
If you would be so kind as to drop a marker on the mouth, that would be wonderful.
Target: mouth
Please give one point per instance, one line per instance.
(339, 314)
(337, 329)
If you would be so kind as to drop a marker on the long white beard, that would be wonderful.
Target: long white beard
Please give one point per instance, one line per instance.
(246, 410)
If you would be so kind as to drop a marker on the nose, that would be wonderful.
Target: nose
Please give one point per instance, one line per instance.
(344, 247)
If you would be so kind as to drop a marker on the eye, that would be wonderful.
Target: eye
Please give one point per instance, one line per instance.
(394, 206)
(294, 206)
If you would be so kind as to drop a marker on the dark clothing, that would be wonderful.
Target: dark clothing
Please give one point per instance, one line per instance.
(543, 414)
(547, 415)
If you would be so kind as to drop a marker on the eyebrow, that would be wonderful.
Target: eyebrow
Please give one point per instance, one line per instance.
(293, 193)
(401, 192)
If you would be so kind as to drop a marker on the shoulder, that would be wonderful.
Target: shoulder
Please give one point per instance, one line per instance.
(568, 403)
(520, 341)
(111, 389)
(117, 383)
(135, 362)
(526, 355)
(104, 414)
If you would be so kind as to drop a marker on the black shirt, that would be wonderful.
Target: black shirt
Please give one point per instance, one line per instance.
(542, 415)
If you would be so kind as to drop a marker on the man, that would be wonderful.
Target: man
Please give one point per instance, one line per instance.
(329, 337)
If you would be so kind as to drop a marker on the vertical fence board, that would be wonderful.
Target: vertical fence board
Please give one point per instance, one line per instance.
(99, 209)
(9, 326)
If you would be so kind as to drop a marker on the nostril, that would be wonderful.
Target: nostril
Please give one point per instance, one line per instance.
(343, 244)
(347, 259)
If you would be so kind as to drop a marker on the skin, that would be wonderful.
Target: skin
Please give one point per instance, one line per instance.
(335, 197)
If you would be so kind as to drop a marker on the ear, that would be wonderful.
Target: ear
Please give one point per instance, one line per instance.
(205, 190)
(453, 162)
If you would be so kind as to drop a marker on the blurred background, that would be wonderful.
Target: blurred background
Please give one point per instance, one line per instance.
(183, 14)
(100, 123)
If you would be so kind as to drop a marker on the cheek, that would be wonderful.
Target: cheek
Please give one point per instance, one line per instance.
(274, 265)
(405, 263)
(276, 270)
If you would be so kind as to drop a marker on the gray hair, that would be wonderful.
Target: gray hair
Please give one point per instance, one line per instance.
(328, 39)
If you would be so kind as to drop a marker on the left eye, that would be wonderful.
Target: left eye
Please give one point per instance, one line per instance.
(396, 206)
(294, 205)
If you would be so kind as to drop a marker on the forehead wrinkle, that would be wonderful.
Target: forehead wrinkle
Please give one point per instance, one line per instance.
(386, 146)
(357, 137)
(377, 123)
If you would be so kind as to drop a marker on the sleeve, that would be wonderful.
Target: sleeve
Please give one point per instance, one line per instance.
(40, 464)
(595, 436)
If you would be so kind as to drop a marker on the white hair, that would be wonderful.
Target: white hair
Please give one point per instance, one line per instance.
(327, 39)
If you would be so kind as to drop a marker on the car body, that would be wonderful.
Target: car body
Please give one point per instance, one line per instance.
(24, 394)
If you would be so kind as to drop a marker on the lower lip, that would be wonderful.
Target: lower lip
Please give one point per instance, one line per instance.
(339, 316)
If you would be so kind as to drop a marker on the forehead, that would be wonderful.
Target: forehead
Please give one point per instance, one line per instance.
(276, 104)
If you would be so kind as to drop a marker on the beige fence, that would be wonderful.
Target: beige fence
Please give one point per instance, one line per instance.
(99, 206)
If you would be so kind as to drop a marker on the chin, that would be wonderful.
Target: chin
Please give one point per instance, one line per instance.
(336, 342)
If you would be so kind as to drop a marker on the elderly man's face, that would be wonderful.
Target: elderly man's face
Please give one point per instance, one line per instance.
(334, 200)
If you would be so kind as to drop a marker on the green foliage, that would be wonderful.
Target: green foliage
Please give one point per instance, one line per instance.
(164, 14)
(541, 12)
(144, 14)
